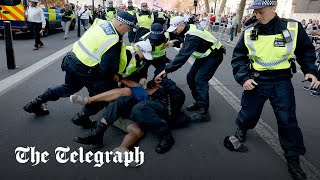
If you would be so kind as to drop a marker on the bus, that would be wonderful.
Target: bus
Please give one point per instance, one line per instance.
(15, 11)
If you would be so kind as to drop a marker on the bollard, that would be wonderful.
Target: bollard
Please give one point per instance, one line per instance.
(9, 48)
(79, 26)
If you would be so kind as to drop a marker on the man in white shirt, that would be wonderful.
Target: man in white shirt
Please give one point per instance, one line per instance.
(84, 16)
(36, 21)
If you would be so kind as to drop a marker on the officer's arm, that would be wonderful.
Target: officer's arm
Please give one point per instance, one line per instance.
(189, 46)
(109, 64)
(239, 62)
(305, 53)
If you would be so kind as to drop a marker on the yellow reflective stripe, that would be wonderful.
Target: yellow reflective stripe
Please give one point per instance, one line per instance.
(16, 13)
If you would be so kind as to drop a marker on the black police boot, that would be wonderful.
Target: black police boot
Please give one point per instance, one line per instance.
(37, 107)
(95, 136)
(165, 144)
(192, 107)
(82, 119)
(295, 169)
(201, 116)
(241, 135)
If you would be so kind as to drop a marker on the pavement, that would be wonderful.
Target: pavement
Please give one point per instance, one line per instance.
(198, 152)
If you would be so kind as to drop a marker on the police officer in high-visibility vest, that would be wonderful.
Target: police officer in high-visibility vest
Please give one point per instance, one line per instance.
(130, 9)
(263, 64)
(92, 63)
(134, 55)
(159, 41)
(111, 11)
(144, 18)
(161, 17)
(208, 52)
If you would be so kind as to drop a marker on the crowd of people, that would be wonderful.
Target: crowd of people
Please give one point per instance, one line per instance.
(100, 62)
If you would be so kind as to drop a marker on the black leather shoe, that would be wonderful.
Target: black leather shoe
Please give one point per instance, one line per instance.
(192, 107)
(201, 116)
(37, 107)
(81, 119)
(95, 136)
(295, 169)
(165, 144)
(241, 135)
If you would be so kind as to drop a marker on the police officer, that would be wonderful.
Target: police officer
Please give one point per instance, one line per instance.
(130, 9)
(159, 40)
(161, 17)
(111, 11)
(144, 18)
(262, 63)
(207, 51)
(92, 63)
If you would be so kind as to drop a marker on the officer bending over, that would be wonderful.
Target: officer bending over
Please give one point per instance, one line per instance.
(207, 51)
(262, 63)
(152, 113)
(92, 63)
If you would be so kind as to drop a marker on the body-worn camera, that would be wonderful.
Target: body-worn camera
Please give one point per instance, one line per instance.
(254, 34)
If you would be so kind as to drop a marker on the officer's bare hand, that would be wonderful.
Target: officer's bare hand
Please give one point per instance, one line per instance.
(168, 44)
(159, 77)
(116, 77)
(143, 81)
(134, 30)
(314, 81)
(249, 84)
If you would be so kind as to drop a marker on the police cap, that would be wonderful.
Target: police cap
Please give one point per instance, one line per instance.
(259, 4)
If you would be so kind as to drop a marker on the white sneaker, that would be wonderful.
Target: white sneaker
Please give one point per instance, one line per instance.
(229, 41)
(76, 99)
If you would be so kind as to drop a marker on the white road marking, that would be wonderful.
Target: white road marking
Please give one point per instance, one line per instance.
(15, 79)
(262, 128)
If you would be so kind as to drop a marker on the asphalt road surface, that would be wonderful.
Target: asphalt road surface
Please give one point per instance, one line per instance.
(198, 152)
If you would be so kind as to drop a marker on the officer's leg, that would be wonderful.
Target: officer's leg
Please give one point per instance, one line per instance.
(205, 73)
(291, 139)
(151, 116)
(72, 85)
(192, 84)
(252, 103)
(119, 108)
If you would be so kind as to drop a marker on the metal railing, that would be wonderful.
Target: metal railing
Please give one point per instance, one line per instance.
(220, 30)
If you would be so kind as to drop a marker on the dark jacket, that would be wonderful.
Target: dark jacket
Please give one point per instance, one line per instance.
(305, 54)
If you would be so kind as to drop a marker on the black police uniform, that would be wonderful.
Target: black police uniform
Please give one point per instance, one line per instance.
(201, 71)
(275, 86)
(97, 79)
(150, 113)
(135, 36)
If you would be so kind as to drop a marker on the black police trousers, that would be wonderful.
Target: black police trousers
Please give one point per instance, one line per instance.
(198, 77)
(78, 76)
(151, 115)
(281, 96)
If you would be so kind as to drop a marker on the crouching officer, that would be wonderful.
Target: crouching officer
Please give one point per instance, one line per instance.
(208, 52)
(92, 63)
(267, 76)
(158, 39)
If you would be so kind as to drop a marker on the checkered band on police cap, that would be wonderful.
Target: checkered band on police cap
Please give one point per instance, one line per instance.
(125, 17)
(264, 3)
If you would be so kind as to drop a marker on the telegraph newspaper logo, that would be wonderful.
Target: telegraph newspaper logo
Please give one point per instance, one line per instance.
(63, 155)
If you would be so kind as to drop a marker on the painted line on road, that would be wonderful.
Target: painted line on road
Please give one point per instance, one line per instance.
(262, 128)
(15, 79)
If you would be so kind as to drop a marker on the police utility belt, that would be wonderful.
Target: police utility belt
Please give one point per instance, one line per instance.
(286, 39)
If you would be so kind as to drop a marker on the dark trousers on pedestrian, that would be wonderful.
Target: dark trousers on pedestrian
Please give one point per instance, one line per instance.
(232, 32)
(281, 96)
(35, 28)
(151, 115)
(78, 76)
(199, 75)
